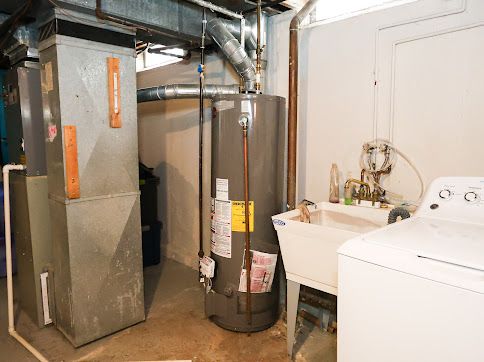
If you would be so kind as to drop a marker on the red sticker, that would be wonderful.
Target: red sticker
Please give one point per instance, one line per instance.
(52, 132)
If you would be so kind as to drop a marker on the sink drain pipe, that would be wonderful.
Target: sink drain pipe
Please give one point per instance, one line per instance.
(8, 256)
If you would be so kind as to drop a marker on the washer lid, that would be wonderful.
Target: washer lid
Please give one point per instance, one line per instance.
(445, 241)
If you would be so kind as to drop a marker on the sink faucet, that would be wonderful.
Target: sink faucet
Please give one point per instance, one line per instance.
(364, 192)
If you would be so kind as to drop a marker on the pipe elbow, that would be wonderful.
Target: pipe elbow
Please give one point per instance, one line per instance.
(12, 167)
(234, 52)
(295, 23)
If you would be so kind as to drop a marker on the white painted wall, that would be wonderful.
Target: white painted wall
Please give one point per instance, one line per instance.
(168, 142)
(426, 60)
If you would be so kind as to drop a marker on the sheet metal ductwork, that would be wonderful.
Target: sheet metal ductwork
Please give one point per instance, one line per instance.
(176, 91)
(232, 49)
(233, 26)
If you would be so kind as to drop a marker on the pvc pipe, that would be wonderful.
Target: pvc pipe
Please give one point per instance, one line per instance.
(8, 255)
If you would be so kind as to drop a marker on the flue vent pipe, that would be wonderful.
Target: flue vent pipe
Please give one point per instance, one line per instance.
(235, 29)
(8, 257)
(234, 52)
(292, 112)
(177, 91)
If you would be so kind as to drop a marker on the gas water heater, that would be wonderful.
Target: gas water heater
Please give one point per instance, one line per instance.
(263, 117)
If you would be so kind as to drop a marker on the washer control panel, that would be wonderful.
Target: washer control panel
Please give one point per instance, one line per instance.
(455, 198)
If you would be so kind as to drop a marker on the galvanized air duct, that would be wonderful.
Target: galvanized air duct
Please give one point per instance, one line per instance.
(233, 51)
(234, 27)
(176, 91)
(292, 104)
(216, 8)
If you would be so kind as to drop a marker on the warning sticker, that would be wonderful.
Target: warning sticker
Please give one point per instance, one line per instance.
(51, 132)
(222, 211)
(263, 268)
(238, 216)
(221, 240)
(222, 189)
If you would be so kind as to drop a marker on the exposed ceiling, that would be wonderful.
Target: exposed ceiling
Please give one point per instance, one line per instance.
(9, 6)
(247, 5)
(154, 14)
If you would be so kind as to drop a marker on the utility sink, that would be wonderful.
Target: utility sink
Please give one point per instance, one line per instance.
(309, 250)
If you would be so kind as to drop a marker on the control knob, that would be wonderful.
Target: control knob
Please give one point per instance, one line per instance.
(471, 196)
(445, 194)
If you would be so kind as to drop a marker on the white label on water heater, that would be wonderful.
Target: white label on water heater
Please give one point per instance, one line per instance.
(207, 267)
(245, 106)
(221, 241)
(222, 189)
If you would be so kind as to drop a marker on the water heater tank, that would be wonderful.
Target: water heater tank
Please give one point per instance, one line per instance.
(226, 299)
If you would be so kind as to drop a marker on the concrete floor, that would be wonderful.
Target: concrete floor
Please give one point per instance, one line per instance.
(175, 328)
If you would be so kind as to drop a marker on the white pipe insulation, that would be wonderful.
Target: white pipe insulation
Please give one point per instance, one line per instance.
(8, 255)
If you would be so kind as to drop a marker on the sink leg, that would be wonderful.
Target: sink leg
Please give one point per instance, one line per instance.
(292, 302)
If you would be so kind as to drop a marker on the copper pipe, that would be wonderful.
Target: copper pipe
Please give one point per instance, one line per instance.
(247, 224)
(292, 104)
(310, 317)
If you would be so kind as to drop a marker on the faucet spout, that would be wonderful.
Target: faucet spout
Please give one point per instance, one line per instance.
(365, 191)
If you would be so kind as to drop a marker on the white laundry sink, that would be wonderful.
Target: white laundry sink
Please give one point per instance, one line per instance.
(309, 250)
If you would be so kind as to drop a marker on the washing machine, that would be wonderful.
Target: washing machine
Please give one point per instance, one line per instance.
(414, 290)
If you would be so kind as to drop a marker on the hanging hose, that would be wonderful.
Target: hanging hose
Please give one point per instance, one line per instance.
(201, 69)
(244, 123)
(409, 162)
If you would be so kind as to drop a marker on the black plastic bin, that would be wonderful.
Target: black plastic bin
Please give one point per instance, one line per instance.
(151, 227)
(151, 243)
(148, 185)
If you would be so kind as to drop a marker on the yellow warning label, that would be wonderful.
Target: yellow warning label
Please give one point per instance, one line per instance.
(238, 216)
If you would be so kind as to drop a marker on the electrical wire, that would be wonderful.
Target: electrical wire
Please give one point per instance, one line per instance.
(141, 47)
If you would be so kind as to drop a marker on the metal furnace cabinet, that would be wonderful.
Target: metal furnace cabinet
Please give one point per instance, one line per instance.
(96, 235)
